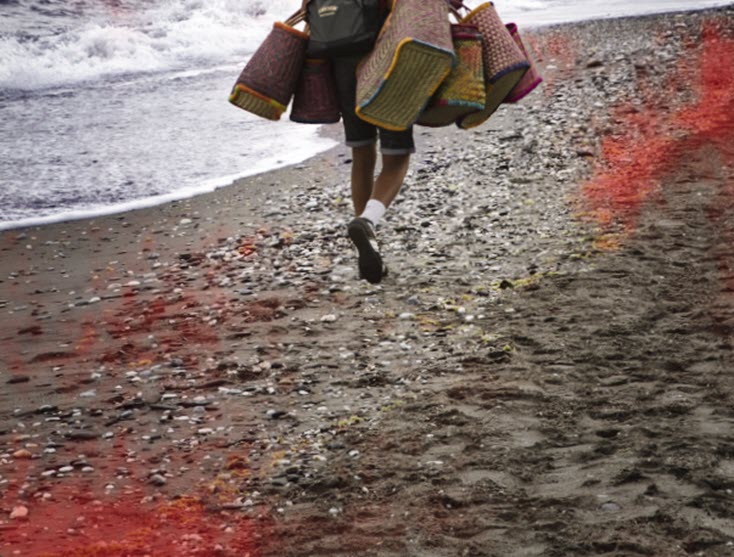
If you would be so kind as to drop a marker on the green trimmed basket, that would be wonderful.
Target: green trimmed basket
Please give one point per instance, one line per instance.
(463, 91)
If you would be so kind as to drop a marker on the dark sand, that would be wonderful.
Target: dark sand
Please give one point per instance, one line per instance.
(546, 371)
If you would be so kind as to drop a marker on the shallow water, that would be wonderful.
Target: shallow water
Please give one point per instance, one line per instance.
(118, 104)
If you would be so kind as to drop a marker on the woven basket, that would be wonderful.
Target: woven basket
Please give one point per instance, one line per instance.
(315, 101)
(531, 79)
(504, 62)
(269, 79)
(463, 91)
(413, 55)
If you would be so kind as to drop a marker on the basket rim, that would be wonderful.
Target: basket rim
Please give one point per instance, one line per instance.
(403, 43)
(246, 89)
(477, 10)
(292, 30)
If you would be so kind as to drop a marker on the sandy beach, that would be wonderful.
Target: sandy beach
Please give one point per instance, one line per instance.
(546, 371)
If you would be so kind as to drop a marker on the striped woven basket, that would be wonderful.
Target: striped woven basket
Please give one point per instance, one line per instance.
(531, 79)
(504, 62)
(463, 91)
(315, 101)
(411, 58)
(269, 79)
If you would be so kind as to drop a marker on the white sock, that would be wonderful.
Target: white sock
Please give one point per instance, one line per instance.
(374, 211)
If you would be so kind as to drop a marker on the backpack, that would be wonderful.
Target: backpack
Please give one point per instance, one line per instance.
(343, 27)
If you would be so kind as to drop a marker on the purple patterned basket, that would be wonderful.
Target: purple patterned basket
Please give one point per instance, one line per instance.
(269, 79)
(531, 79)
(315, 100)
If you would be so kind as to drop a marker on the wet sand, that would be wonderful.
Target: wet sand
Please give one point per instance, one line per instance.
(547, 369)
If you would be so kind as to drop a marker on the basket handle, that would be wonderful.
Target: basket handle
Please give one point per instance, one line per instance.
(297, 17)
(455, 6)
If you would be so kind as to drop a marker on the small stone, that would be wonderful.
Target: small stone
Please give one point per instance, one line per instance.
(22, 454)
(82, 435)
(328, 318)
(158, 479)
(19, 513)
(611, 507)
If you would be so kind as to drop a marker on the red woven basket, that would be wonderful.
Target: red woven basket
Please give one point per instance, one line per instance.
(504, 62)
(531, 79)
(315, 101)
(267, 82)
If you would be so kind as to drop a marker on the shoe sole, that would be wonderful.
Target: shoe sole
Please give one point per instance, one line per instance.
(369, 260)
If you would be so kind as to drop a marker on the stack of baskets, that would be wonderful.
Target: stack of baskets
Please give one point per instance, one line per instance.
(279, 71)
(423, 70)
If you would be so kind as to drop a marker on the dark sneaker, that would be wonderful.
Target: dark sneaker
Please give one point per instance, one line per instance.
(363, 237)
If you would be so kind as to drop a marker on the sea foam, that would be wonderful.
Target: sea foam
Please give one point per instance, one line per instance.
(169, 36)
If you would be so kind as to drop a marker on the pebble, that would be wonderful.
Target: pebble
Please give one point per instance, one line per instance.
(158, 480)
(22, 454)
(82, 435)
(275, 414)
(19, 513)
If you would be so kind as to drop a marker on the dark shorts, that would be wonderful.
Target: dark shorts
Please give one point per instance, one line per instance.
(359, 133)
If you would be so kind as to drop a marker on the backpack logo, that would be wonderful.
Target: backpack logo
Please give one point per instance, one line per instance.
(327, 11)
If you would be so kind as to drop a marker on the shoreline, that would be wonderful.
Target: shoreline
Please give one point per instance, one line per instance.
(554, 339)
(332, 131)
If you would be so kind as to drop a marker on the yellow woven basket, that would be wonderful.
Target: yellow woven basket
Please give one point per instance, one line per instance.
(463, 91)
(413, 55)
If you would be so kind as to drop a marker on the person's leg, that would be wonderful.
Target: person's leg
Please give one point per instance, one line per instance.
(396, 149)
(361, 137)
(364, 159)
(390, 180)
(386, 187)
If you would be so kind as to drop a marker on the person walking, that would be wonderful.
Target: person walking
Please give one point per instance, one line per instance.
(371, 195)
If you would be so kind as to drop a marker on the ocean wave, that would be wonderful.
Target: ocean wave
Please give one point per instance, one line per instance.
(51, 43)
(170, 35)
